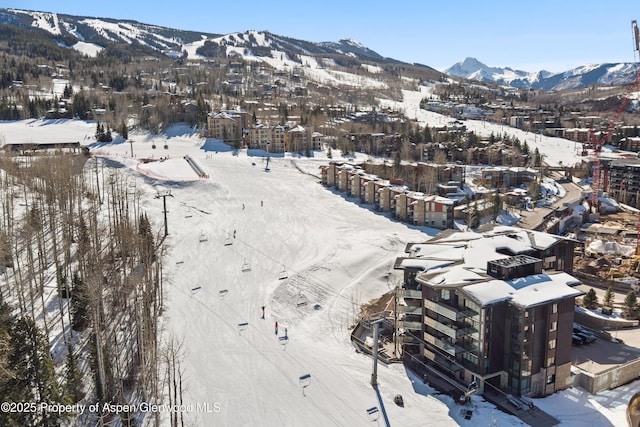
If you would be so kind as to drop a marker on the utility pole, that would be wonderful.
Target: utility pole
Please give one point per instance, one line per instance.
(131, 143)
(164, 194)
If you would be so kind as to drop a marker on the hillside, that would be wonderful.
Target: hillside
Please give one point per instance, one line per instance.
(91, 35)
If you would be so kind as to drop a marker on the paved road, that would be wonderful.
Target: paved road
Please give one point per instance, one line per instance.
(531, 220)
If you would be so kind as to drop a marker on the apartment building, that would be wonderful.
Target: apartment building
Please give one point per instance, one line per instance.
(624, 180)
(278, 139)
(489, 313)
(225, 126)
(389, 196)
(507, 177)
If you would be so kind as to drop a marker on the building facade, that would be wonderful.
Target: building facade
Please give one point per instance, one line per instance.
(490, 314)
(624, 181)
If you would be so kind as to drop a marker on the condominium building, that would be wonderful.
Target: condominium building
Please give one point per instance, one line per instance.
(481, 309)
(624, 181)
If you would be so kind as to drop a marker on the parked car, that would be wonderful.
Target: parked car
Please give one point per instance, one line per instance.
(576, 340)
(586, 336)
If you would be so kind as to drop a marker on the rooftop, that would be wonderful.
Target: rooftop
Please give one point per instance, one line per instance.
(459, 259)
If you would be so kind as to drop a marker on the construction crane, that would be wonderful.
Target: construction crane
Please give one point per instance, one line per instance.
(636, 50)
(597, 143)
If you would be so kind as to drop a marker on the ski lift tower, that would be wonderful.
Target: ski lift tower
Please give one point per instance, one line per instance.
(164, 194)
(376, 337)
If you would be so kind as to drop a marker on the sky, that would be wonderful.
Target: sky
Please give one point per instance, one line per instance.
(530, 36)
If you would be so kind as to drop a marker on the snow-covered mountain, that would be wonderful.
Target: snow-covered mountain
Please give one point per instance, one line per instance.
(89, 35)
(609, 74)
(68, 30)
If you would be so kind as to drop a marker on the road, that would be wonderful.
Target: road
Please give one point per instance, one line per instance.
(533, 219)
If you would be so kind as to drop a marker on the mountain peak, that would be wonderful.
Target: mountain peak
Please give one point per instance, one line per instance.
(470, 61)
(471, 68)
(352, 42)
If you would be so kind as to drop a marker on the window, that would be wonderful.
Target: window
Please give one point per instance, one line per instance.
(551, 379)
(553, 326)
(551, 360)
(552, 344)
(554, 308)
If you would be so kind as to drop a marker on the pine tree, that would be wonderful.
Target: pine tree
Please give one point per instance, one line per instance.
(427, 134)
(79, 304)
(73, 384)
(590, 299)
(607, 301)
(99, 132)
(6, 370)
(34, 371)
(497, 204)
(61, 280)
(537, 158)
(630, 303)
(147, 252)
(124, 131)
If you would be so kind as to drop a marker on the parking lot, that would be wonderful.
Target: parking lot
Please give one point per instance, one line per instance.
(601, 355)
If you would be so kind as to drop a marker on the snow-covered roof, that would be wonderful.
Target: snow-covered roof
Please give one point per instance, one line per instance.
(224, 115)
(422, 264)
(536, 239)
(524, 291)
(457, 275)
(455, 259)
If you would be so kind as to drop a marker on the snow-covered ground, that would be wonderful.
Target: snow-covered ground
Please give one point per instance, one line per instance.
(336, 255)
(555, 151)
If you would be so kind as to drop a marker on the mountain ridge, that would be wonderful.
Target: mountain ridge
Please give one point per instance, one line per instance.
(606, 74)
(68, 30)
(90, 35)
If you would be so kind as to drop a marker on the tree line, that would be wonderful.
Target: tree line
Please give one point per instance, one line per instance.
(82, 289)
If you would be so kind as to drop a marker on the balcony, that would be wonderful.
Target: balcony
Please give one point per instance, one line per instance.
(470, 331)
(445, 329)
(410, 309)
(441, 310)
(442, 345)
(450, 311)
(409, 339)
(468, 347)
(468, 312)
(407, 324)
(411, 294)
